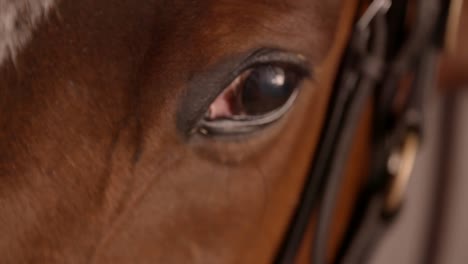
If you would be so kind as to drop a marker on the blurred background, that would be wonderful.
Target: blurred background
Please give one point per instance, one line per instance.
(433, 224)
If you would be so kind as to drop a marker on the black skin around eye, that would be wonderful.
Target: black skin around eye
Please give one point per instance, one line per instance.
(267, 88)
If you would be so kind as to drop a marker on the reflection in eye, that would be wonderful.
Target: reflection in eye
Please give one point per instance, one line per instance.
(257, 91)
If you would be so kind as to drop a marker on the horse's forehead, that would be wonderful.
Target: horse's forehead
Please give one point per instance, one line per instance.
(18, 18)
(226, 26)
(264, 15)
(268, 16)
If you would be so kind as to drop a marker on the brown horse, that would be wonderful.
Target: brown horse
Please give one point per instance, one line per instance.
(100, 159)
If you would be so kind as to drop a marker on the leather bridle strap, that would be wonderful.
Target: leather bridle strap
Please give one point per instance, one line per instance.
(380, 54)
(396, 136)
(339, 123)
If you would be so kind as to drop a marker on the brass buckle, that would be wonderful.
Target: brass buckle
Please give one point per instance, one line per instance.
(400, 165)
(453, 25)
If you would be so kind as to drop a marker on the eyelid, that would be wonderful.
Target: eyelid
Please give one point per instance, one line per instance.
(273, 56)
(244, 124)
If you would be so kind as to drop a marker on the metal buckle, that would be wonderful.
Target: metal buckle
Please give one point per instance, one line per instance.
(400, 165)
(453, 24)
(374, 8)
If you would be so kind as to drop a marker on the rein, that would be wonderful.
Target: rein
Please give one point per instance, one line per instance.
(384, 53)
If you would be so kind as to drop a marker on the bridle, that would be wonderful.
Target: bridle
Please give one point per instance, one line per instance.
(394, 44)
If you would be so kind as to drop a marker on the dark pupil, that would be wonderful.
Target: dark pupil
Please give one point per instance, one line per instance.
(266, 89)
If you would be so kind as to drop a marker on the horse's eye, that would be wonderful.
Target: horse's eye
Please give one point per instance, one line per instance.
(255, 92)
(257, 97)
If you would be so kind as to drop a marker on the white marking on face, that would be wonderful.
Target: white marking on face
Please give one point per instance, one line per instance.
(18, 18)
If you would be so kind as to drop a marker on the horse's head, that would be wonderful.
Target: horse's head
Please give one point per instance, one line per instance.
(164, 131)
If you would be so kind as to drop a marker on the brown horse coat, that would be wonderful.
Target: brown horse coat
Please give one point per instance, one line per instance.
(92, 163)
(94, 166)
